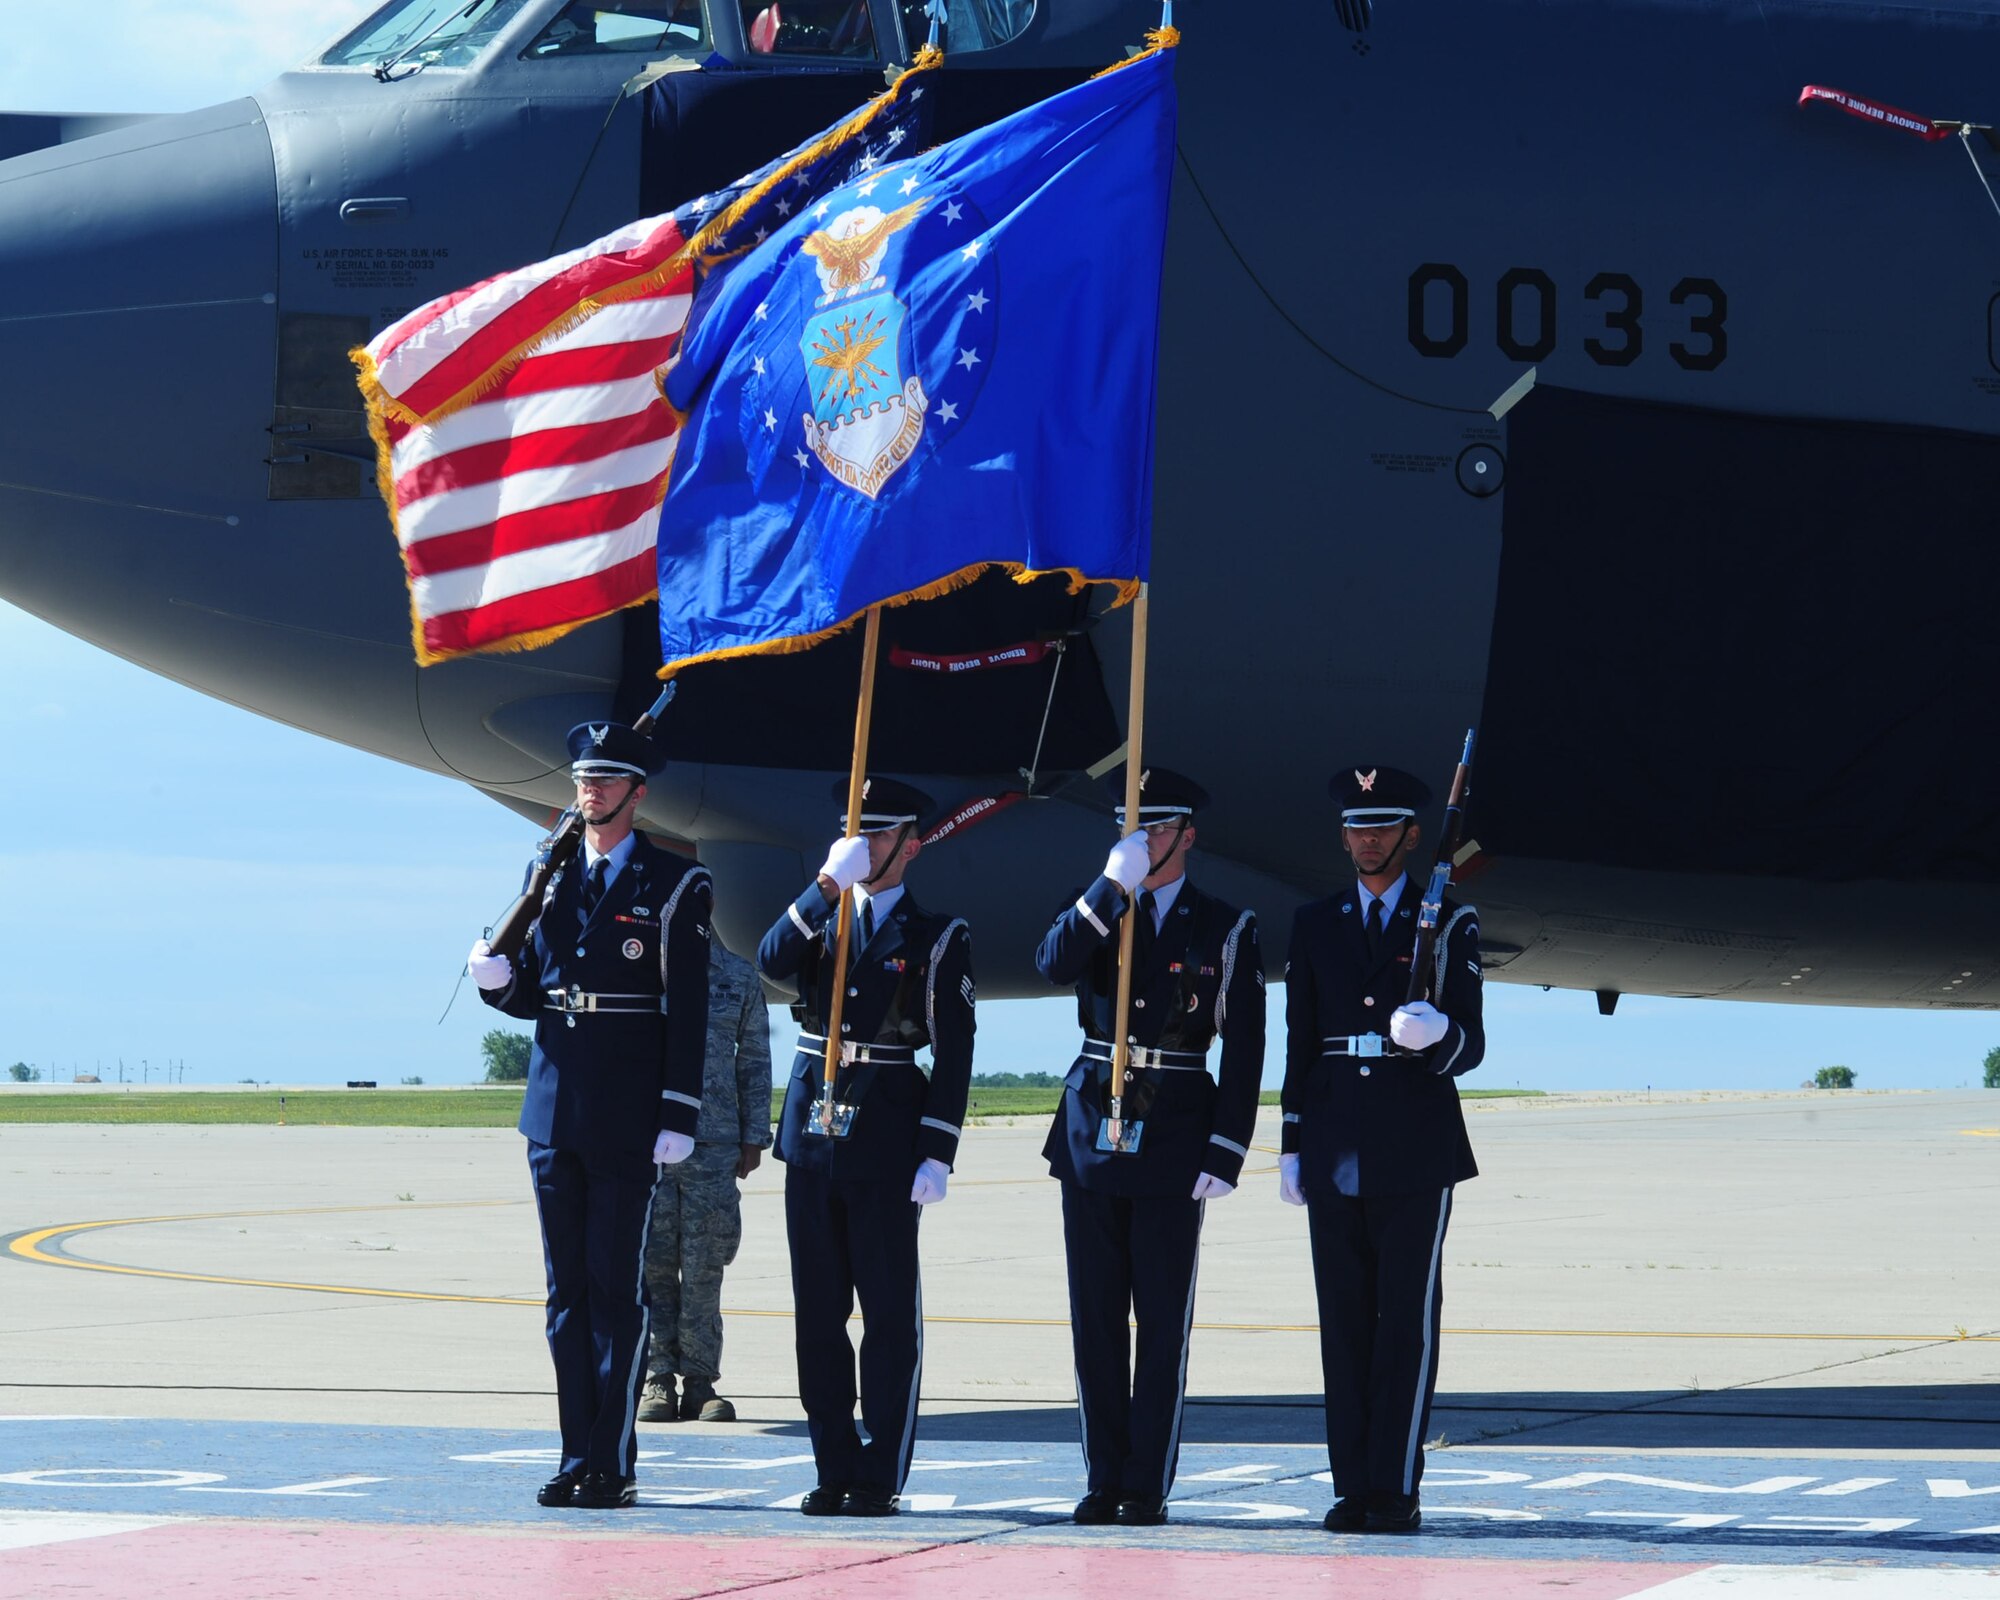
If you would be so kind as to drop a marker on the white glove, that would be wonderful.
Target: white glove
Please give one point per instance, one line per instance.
(846, 862)
(928, 1190)
(671, 1148)
(1418, 1026)
(1288, 1181)
(1129, 862)
(488, 970)
(1210, 1187)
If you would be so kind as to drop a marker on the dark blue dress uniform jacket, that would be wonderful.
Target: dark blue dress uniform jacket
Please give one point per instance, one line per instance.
(911, 985)
(1203, 975)
(1386, 1125)
(615, 1080)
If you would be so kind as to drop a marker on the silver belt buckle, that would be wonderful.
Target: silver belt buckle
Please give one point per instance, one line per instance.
(1365, 1044)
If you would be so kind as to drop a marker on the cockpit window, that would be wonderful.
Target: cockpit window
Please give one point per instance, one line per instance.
(969, 24)
(809, 27)
(605, 27)
(424, 33)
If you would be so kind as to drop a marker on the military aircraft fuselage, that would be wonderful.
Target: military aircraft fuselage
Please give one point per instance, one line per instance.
(1540, 367)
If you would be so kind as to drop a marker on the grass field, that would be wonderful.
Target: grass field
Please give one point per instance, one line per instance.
(324, 1108)
(406, 1108)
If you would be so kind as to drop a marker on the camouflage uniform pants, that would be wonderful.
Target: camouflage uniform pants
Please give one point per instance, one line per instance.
(697, 1225)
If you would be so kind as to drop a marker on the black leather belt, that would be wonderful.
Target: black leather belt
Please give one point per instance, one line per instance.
(1139, 1056)
(815, 1044)
(574, 1000)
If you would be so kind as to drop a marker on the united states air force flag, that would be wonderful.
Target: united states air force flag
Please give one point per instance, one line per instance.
(944, 364)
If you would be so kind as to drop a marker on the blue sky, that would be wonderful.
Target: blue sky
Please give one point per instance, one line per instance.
(187, 881)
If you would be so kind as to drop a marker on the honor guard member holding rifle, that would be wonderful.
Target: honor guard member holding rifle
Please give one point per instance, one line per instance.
(1374, 1140)
(614, 976)
(860, 1167)
(1132, 1215)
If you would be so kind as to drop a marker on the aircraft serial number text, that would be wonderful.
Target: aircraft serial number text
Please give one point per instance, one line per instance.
(1525, 321)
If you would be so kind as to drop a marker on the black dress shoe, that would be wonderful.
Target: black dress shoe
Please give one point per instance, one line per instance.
(1347, 1515)
(606, 1491)
(870, 1503)
(824, 1501)
(558, 1491)
(1393, 1513)
(1142, 1511)
(1096, 1508)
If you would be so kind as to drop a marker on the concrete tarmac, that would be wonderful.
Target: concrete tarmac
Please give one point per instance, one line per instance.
(1723, 1271)
(1702, 1347)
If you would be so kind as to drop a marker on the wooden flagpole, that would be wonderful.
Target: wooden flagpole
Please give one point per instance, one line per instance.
(864, 712)
(1135, 727)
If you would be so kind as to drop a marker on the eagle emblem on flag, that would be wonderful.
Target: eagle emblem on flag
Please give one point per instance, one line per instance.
(867, 417)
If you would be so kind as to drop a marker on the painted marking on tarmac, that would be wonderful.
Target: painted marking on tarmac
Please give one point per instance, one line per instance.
(1821, 1583)
(1615, 1508)
(47, 1247)
(23, 1530)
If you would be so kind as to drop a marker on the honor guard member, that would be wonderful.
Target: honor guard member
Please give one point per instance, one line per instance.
(615, 977)
(1374, 1141)
(1132, 1219)
(856, 1180)
(697, 1208)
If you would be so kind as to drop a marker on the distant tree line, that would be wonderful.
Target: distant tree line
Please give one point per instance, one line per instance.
(1017, 1080)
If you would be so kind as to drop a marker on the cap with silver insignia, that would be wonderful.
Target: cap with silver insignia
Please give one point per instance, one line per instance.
(1164, 796)
(1377, 797)
(885, 804)
(612, 750)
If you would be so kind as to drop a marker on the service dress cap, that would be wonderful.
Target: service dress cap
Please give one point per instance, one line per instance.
(612, 750)
(1164, 796)
(1377, 797)
(885, 804)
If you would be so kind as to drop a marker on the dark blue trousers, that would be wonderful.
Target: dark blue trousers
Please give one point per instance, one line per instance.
(1377, 1269)
(849, 1239)
(596, 1207)
(1131, 1258)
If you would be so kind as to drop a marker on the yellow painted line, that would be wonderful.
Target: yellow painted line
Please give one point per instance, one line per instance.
(1982, 1133)
(28, 1248)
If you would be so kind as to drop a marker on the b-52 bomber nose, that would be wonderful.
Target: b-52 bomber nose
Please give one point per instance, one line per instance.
(137, 318)
(141, 503)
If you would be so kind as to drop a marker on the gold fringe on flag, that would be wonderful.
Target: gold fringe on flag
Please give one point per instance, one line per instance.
(1157, 39)
(792, 644)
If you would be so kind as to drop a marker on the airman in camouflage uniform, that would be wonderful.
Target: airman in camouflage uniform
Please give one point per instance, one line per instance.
(697, 1219)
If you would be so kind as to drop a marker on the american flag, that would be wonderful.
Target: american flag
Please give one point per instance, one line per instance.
(522, 443)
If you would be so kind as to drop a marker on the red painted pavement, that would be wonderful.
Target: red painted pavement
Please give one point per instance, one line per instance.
(259, 1561)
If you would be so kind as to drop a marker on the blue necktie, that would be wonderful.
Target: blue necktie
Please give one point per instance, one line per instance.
(867, 922)
(593, 886)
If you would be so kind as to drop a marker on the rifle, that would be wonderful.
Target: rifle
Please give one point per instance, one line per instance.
(1432, 908)
(553, 854)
